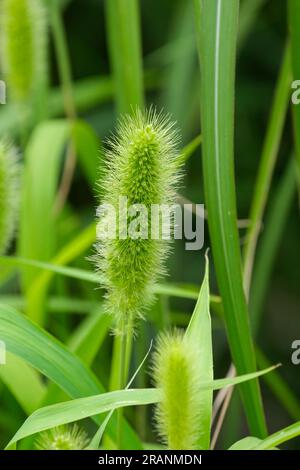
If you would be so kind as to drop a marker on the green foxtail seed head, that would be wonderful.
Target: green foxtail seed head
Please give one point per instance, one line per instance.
(9, 194)
(23, 45)
(142, 167)
(175, 373)
(62, 438)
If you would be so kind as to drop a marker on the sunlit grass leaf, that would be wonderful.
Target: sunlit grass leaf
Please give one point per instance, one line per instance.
(24, 383)
(200, 335)
(46, 354)
(279, 437)
(43, 160)
(88, 149)
(247, 443)
(67, 412)
(172, 290)
(270, 442)
(124, 44)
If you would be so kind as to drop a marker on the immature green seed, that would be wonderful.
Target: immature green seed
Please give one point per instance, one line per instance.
(175, 373)
(23, 45)
(9, 194)
(142, 166)
(62, 438)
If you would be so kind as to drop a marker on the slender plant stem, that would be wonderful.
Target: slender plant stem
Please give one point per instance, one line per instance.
(122, 384)
(266, 167)
(221, 417)
(64, 66)
(63, 59)
(119, 372)
(124, 40)
(279, 387)
(294, 27)
(275, 225)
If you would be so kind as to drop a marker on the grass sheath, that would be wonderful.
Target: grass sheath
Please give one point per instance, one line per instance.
(217, 23)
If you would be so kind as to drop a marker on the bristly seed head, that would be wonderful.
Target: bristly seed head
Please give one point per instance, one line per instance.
(176, 374)
(23, 42)
(62, 438)
(143, 166)
(9, 194)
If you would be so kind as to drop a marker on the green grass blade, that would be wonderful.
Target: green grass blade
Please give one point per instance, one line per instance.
(266, 165)
(294, 27)
(199, 333)
(217, 23)
(218, 384)
(172, 290)
(23, 382)
(88, 93)
(274, 227)
(88, 151)
(279, 437)
(62, 57)
(124, 41)
(67, 412)
(189, 149)
(43, 159)
(37, 292)
(280, 388)
(43, 352)
(178, 90)
(85, 343)
(248, 14)
(46, 354)
(55, 304)
(247, 443)
(89, 336)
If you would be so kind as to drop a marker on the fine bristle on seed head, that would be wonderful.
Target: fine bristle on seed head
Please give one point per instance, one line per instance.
(23, 45)
(62, 438)
(142, 166)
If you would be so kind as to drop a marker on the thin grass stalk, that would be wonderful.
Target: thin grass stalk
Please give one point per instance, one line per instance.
(284, 394)
(274, 227)
(63, 59)
(266, 166)
(294, 27)
(124, 41)
(217, 25)
(64, 67)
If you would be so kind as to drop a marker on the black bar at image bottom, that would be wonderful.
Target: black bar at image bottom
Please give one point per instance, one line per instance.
(132, 459)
